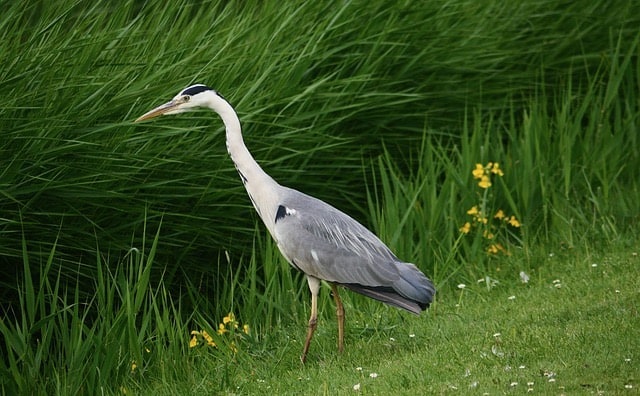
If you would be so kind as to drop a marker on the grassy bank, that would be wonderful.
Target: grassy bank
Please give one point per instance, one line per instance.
(568, 329)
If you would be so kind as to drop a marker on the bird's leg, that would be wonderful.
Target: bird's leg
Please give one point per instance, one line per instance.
(340, 315)
(314, 286)
(313, 323)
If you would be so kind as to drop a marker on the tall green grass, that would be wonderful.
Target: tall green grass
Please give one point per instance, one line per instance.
(381, 109)
(312, 83)
(59, 341)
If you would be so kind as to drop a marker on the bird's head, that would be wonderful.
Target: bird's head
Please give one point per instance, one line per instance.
(197, 95)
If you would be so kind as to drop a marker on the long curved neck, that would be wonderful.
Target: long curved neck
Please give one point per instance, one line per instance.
(262, 189)
(247, 167)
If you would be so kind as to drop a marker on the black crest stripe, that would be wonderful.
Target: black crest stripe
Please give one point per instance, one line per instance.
(195, 89)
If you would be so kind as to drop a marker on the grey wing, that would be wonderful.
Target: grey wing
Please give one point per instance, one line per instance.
(327, 244)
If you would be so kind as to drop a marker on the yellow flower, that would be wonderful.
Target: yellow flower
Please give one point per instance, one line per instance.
(495, 169)
(499, 215)
(488, 234)
(478, 172)
(222, 329)
(231, 318)
(465, 228)
(473, 211)
(208, 338)
(484, 182)
(514, 222)
(245, 329)
(134, 366)
(194, 338)
(495, 248)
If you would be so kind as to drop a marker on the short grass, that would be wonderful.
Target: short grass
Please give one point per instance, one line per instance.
(570, 330)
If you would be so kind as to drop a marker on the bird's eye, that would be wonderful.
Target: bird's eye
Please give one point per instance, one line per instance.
(186, 98)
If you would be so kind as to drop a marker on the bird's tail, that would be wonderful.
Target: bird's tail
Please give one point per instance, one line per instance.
(386, 295)
(413, 284)
(413, 291)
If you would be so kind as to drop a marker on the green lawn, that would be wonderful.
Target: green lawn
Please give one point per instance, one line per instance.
(572, 329)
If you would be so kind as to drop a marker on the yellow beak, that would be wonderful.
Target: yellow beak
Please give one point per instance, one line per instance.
(158, 111)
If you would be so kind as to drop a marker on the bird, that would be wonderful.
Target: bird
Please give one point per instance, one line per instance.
(314, 237)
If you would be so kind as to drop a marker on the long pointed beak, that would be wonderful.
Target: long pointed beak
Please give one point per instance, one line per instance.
(158, 111)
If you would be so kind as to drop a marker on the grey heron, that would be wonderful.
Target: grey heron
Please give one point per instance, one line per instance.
(313, 236)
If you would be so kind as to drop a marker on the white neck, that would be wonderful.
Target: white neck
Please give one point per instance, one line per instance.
(262, 189)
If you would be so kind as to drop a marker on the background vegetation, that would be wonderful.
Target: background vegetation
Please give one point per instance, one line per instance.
(117, 240)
